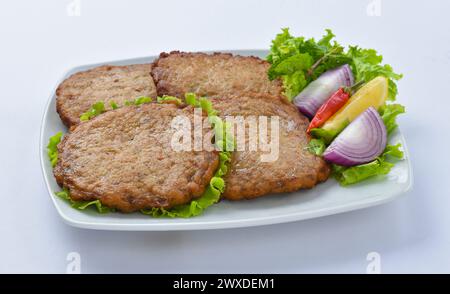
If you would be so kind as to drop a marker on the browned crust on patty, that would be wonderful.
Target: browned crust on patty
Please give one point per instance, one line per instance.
(106, 83)
(177, 73)
(124, 158)
(295, 168)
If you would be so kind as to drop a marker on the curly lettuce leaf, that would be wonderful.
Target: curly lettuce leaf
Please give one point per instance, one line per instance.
(355, 174)
(293, 84)
(207, 106)
(99, 107)
(298, 61)
(113, 105)
(82, 205)
(191, 99)
(366, 65)
(223, 137)
(380, 166)
(167, 98)
(284, 45)
(290, 65)
(393, 151)
(96, 109)
(52, 148)
(138, 101)
(389, 113)
(142, 100)
(295, 60)
(326, 53)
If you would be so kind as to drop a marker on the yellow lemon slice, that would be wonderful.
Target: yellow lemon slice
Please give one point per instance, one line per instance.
(374, 94)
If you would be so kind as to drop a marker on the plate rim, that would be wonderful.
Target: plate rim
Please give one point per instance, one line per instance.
(223, 224)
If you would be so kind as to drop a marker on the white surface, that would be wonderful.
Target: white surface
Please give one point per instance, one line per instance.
(39, 42)
(326, 199)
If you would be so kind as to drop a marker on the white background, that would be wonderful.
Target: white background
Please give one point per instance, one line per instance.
(39, 41)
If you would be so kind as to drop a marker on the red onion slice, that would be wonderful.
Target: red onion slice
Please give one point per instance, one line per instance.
(318, 91)
(360, 142)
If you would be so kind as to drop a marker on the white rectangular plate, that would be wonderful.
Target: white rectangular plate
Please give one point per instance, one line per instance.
(326, 199)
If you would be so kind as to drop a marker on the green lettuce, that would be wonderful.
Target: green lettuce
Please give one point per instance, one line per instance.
(290, 65)
(380, 166)
(82, 205)
(99, 107)
(138, 101)
(142, 100)
(389, 113)
(113, 105)
(299, 61)
(52, 148)
(96, 109)
(167, 98)
(366, 65)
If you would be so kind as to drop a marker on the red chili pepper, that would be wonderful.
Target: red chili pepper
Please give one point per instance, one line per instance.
(332, 105)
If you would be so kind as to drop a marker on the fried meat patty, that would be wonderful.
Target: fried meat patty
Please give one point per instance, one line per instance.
(295, 168)
(177, 73)
(124, 158)
(79, 92)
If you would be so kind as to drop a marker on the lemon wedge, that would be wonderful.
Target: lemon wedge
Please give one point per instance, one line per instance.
(374, 94)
